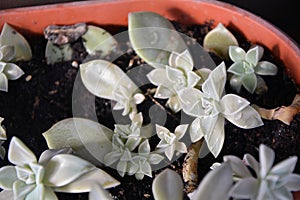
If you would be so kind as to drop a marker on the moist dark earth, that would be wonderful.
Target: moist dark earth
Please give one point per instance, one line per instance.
(43, 96)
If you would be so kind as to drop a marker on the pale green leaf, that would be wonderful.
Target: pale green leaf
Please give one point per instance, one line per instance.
(247, 118)
(144, 148)
(158, 77)
(182, 60)
(163, 92)
(181, 130)
(49, 153)
(98, 40)
(174, 104)
(292, 182)
(11, 37)
(173, 74)
(7, 53)
(37, 193)
(103, 78)
(65, 168)
(232, 104)
(55, 54)
(153, 37)
(237, 54)
(19, 154)
(21, 189)
(88, 139)
(236, 83)
(12, 71)
(261, 86)
(215, 135)
(155, 158)
(193, 79)
(196, 132)
(249, 81)
(237, 68)
(7, 194)
(85, 182)
(285, 167)
(8, 176)
(245, 188)
(215, 185)
(218, 40)
(239, 169)
(191, 101)
(253, 55)
(167, 185)
(266, 159)
(98, 192)
(49, 194)
(2, 131)
(266, 68)
(3, 82)
(250, 161)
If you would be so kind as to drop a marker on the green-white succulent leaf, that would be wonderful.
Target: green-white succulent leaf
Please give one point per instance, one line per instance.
(196, 132)
(250, 161)
(55, 54)
(237, 68)
(219, 40)
(285, 167)
(2, 150)
(7, 53)
(12, 71)
(233, 104)
(215, 185)
(3, 82)
(7, 194)
(182, 60)
(247, 118)
(122, 168)
(25, 174)
(144, 148)
(261, 86)
(237, 54)
(64, 168)
(167, 185)
(19, 154)
(37, 193)
(86, 182)
(174, 104)
(153, 37)
(106, 80)
(236, 83)
(292, 182)
(191, 101)
(8, 176)
(112, 157)
(213, 87)
(159, 77)
(239, 169)
(98, 192)
(254, 55)
(49, 153)
(97, 40)
(266, 68)
(245, 188)
(155, 158)
(10, 37)
(88, 139)
(249, 81)
(169, 142)
(49, 194)
(21, 189)
(2, 130)
(266, 159)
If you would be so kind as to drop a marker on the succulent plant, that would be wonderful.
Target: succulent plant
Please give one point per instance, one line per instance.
(13, 47)
(56, 170)
(211, 107)
(2, 137)
(55, 53)
(169, 142)
(247, 69)
(218, 41)
(106, 80)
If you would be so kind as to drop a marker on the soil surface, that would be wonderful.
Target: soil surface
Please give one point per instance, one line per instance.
(43, 96)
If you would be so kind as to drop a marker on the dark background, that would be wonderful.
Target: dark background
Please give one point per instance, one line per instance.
(282, 13)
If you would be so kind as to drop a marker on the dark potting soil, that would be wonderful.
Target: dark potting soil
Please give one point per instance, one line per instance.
(43, 96)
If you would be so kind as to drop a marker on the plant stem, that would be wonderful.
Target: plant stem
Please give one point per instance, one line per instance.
(190, 167)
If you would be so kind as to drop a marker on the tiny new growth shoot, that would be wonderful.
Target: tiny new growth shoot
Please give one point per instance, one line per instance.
(247, 69)
(284, 113)
(56, 170)
(13, 47)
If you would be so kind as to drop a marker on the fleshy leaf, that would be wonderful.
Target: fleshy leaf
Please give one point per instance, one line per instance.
(7, 194)
(98, 192)
(64, 168)
(2, 131)
(250, 82)
(85, 182)
(266, 159)
(239, 169)
(12, 71)
(19, 154)
(215, 185)
(232, 104)
(55, 54)
(237, 54)
(182, 60)
(11, 37)
(3, 82)
(254, 54)
(266, 68)
(245, 188)
(98, 40)
(8, 176)
(7, 53)
(153, 37)
(218, 40)
(49, 153)
(285, 167)
(37, 193)
(236, 83)
(21, 189)
(102, 78)
(88, 139)
(190, 99)
(292, 182)
(158, 77)
(237, 68)
(167, 185)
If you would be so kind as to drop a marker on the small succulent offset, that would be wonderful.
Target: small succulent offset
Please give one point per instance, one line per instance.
(13, 47)
(178, 74)
(233, 178)
(2, 138)
(169, 142)
(211, 107)
(125, 141)
(247, 69)
(56, 170)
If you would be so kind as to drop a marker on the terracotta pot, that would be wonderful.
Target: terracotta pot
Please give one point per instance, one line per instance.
(35, 19)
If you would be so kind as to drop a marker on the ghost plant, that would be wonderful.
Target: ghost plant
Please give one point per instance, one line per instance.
(169, 142)
(106, 80)
(239, 182)
(55, 171)
(211, 107)
(247, 69)
(2, 138)
(13, 47)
